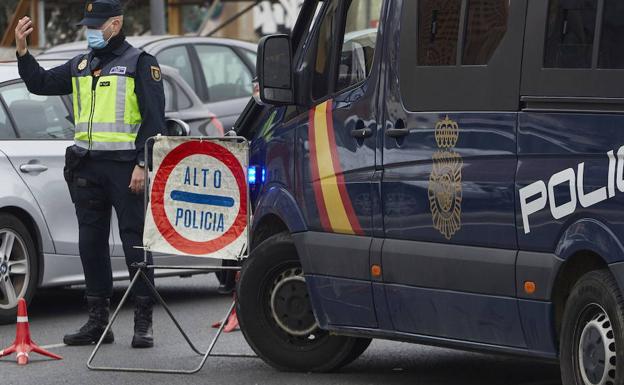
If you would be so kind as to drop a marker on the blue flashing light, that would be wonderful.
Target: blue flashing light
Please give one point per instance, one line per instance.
(251, 175)
(263, 175)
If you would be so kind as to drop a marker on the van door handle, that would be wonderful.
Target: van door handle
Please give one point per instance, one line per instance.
(397, 132)
(34, 168)
(361, 133)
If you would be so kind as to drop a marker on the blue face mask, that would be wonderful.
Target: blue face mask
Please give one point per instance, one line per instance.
(95, 38)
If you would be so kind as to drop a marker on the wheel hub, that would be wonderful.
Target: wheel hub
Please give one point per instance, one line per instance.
(14, 268)
(290, 304)
(597, 351)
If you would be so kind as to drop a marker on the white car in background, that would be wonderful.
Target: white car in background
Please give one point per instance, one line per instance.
(38, 225)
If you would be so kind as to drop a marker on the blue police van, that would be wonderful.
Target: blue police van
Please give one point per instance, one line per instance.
(445, 172)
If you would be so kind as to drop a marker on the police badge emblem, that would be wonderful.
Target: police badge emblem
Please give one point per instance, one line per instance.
(445, 180)
(155, 73)
(82, 65)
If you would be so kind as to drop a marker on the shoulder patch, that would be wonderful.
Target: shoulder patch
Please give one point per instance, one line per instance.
(155, 73)
(82, 65)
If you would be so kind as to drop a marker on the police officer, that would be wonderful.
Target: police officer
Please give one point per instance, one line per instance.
(118, 102)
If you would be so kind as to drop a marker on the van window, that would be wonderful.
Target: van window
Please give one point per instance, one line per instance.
(321, 70)
(485, 29)
(612, 37)
(570, 33)
(462, 55)
(582, 36)
(358, 46)
(438, 31)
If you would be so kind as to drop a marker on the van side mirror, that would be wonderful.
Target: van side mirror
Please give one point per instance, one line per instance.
(274, 69)
(177, 127)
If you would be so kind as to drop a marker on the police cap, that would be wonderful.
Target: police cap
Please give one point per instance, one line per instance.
(98, 11)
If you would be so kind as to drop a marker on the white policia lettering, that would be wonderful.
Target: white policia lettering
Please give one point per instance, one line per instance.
(535, 196)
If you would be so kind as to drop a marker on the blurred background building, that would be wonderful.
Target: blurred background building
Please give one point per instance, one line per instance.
(55, 19)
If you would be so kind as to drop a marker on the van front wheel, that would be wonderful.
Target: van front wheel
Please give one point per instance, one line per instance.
(592, 335)
(276, 316)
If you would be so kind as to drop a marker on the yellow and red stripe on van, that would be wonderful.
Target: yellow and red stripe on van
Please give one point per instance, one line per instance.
(332, 199)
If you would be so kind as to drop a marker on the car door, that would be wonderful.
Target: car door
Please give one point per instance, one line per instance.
(44, 130)
(336, 150)
(449, 160)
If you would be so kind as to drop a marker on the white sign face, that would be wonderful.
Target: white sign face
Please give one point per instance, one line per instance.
(198, 198)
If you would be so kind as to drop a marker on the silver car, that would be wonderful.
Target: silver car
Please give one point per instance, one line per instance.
(38, 227)
(220, 71)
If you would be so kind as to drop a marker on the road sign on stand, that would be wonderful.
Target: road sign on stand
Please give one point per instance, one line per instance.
(198, 202)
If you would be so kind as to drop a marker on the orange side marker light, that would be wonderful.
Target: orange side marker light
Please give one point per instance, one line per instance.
(529, 287)
(376, 271)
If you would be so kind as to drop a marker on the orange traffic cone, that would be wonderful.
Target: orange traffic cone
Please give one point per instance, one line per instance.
(232, 322)
(23, 345)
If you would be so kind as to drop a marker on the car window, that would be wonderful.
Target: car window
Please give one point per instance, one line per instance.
(169, 96)
(612, 36)
(438, 32)
(6, 128)
(178, 58)
(37, 117)
(251, 55)
(485, 28)
(184, 101)
(360, 38)
(227, 77)
(570, 33)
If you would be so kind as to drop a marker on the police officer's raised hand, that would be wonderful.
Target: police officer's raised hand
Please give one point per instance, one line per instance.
(22, 31)
(137, 183)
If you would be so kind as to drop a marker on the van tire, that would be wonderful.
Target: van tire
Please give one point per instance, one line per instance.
(358, 349)
(23, 250)
(593, 331)
(317, 351)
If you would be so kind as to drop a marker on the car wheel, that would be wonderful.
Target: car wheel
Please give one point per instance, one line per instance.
(276, 316)
(592, 339)
(18, 266)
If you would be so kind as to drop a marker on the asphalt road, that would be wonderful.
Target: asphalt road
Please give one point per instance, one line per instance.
(197, 304)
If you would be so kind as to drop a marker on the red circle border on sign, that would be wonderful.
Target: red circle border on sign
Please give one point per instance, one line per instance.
(161, 220)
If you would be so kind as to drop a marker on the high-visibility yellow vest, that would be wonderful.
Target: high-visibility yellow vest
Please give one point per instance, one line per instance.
(106, 108)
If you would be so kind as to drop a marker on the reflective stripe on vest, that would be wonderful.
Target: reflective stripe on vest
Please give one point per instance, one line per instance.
(107, 118)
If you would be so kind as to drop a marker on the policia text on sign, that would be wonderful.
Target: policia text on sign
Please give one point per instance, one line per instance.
(118, 102)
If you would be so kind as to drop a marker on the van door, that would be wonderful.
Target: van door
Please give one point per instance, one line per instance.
(449, 159)
(336, 147)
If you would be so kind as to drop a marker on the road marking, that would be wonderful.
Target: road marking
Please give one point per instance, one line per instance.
(53, 346)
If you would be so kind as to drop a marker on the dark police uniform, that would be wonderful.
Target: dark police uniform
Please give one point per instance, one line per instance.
(118, 104)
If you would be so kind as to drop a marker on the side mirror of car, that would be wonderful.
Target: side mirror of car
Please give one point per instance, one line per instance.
(274, 69)
(177, 127)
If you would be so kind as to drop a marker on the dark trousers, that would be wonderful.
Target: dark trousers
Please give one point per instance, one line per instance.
(99, 186)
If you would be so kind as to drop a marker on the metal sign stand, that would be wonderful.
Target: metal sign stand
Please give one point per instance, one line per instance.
(144, 266)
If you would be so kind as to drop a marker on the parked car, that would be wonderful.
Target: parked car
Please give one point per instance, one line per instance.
(457, 180)
(220, 71)
(38, 227)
